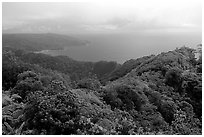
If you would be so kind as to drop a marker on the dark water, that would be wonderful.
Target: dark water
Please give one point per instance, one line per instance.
(121, 47)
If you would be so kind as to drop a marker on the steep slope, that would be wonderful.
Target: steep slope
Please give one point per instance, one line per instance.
(182, 58)
(75, 69)
(125, 68)
(167, 83)
(160, 95)
(12, 66)
(167, 74)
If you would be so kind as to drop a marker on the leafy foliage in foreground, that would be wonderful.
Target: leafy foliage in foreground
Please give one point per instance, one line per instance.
(160, 95)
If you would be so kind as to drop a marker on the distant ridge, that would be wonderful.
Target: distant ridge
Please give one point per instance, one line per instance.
(38, 42)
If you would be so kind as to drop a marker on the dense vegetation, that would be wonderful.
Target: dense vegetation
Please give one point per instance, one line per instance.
(44, 95)
(125, 68)
(75, 69)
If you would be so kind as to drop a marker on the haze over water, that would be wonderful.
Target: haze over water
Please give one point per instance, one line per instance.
(117, 31)
(122, 47)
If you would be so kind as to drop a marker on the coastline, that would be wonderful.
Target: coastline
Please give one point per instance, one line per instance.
(47, 51)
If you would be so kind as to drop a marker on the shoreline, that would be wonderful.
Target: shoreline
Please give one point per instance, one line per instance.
(50, 50)
(62, 49)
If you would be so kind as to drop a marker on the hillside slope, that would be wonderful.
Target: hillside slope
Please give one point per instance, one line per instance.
(125, 68)
(152, 96)
(77, 70)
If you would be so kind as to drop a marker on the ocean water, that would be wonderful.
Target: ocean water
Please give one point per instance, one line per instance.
(122, 47)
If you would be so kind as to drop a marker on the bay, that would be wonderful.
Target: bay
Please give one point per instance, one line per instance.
(122, 47)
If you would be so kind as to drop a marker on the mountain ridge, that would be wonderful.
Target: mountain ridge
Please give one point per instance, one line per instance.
(38, 42)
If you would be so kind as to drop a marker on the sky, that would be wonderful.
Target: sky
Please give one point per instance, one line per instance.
(146, 16)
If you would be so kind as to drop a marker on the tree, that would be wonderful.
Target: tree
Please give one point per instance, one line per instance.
(173, 78)
(125, 97)
(27, 82)
(199, 61)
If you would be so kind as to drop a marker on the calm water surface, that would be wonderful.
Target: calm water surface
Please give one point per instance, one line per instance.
(121, 47)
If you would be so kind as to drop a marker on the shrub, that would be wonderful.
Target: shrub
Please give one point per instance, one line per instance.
(154, 97)
(193, 90)
(10, 71)
(89, 83)
(167, 109)
(185, 125)
(57, 114)
(12, 116)
(26, 86)
(174, 78)
(27, 74)
(45, 80)
(124, 97)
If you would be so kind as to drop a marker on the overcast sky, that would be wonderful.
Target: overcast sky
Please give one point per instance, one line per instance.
(148, 16)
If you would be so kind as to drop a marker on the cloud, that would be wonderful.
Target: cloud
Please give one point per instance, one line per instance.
(99, 28)
(120, 22)
(86, 17)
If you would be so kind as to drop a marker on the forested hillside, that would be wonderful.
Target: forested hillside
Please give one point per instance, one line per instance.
(157, 94)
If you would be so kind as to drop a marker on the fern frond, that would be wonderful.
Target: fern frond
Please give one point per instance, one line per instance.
(19, 130)
(9, 128)
(7, 117)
